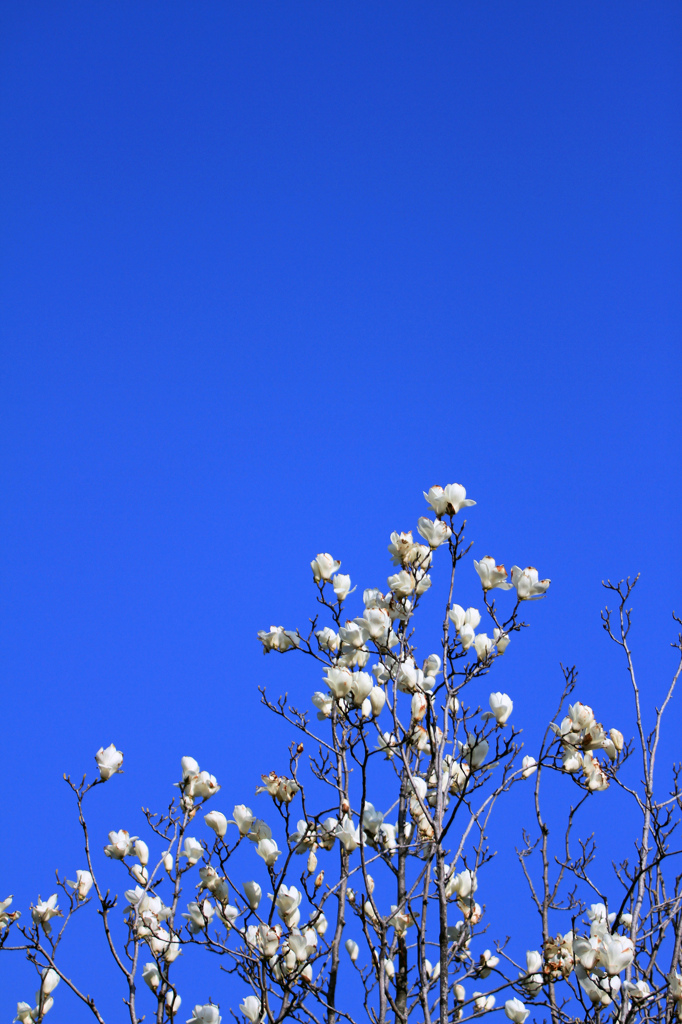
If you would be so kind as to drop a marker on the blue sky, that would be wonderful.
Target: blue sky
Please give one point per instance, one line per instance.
(271, 270)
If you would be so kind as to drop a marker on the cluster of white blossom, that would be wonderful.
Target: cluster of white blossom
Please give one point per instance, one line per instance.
(385, 712)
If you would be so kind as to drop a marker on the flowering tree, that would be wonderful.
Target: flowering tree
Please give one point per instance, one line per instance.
(370, 853)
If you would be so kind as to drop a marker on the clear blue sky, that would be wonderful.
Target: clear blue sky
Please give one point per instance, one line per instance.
(268, 271)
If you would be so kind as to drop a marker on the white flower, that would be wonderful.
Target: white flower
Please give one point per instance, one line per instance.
(361, 687)
(339, 681)
(435, 532)
(638, 990)
(173, 1001)
(287, 903)
(617, 739)
(243, 818)
(528, 586)
(277, 639)
(482, 1002)
(323, 567)
(401, 583)
(151, 976)
(120, 845)
(141, 851)
(216, 821)
(354, 634)
(193, 851)
(324, 704)
(348, 834)
(516, 1011)
(376, 623)
(109, 761)
(399, 549)
(501, 706)
(82, 885)
(474, 751)
(327, 639)
(50, 980)
(501, 640)
(352, 949)
(253, 894)
(595, 777)
(492, 575)
(483, 646)
(616, 952)
(24, 1013)
(251, 1008)
(529, 766)
(448, 500)
(199, 916)
(377, 699)
(209, 1014)
(466, 636)
(267, 849)
(371, 818)
(44, 910)
(460, 617)
(533, 961)
(341, 583)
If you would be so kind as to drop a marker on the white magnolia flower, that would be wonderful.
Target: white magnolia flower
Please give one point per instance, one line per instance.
(209, 1014)
(251, 1008)
(354, 634)
(400, 548)
(501, 707)
(324, 703)
(202, 784)
(49, 980)
(466, 636)
(327, 639)
(435, 532)
(216, 821)
(491, 575)
(253, 894)
(616, 952)
(267, 849)
(109, 761)
(339, 681)
(486, 963)
(82, 885)
(324, 566)
(120, 844)
(348, 834)
(377, 699)
(617, 739)
(501, 640)
(189, 767)
(371, 818)
(173, 1001)
(199, 916)
(277, 638)
(362, 686)
(352, 949)
(24, 1013)
(151, 976)
(243, 818)
(376, 623)
(483, 645)
(193, 851)
(44, 911)
(402, 583)
(534, 962)
(448, 500)
(637, 990)
(595, 777)
(474, 751)
(341, 584)
(516, 1010)
(482, 1003)
(529, 766)
(460, 617)
(528, 586)
(141, 851)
